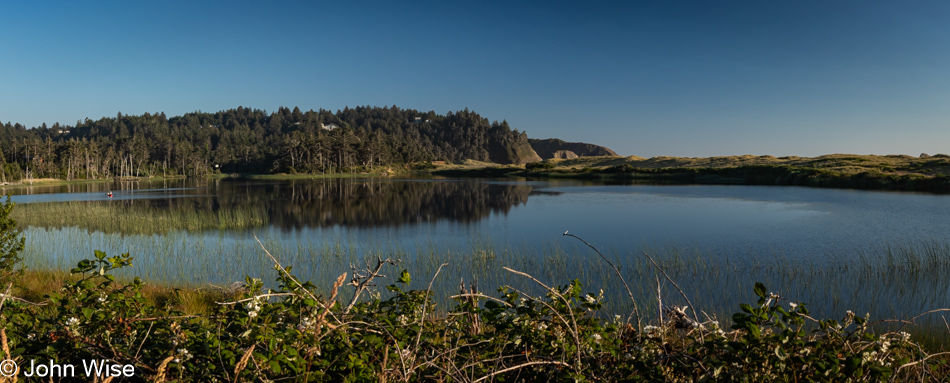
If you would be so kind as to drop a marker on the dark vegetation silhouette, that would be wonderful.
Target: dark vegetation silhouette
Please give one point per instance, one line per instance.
(245, 140)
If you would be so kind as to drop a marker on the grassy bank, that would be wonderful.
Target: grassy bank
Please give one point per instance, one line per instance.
(890, 172)
(192, 299)
(893, 172)
(359, 172)
(60, 182)
(50, 182)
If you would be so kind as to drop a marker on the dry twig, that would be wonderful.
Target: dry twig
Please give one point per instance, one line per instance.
(566, 303)
(636, 310)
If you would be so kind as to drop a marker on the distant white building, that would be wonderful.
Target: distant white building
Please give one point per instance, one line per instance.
(420, 120)
(329, 126)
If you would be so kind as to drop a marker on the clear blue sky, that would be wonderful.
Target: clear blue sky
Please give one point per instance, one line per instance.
(680, 78)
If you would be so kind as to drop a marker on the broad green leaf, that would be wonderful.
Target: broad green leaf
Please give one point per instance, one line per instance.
(760, 289)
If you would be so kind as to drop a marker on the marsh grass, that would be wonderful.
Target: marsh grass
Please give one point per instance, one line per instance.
(114, 217)
(846, 164)
(190, 299)
(892, 172)
(888, 280)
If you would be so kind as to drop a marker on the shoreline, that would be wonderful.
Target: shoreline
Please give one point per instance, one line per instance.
(840, 171)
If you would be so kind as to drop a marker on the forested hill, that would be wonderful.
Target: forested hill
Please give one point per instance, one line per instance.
(246, 140)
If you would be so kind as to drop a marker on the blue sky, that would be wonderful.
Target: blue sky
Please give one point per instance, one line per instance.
(679, 78)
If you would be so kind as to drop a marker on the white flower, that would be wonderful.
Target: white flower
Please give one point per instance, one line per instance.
(253, 307)
(591, 299)
(305, 324)
(597, 337)
(793, 305)
(403, 320)
(72, 321)
(904, 336)
(102, 298)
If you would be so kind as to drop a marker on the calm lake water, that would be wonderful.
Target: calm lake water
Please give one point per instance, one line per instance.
(878, 252)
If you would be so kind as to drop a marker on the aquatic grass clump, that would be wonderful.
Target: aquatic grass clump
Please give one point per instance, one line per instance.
(115, 217)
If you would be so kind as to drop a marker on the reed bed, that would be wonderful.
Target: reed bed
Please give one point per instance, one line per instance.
(117, 217)
(895, 280)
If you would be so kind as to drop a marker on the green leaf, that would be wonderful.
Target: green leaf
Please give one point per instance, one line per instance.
(404, 277)
(760, 289)
(754, 331)
(882, 369)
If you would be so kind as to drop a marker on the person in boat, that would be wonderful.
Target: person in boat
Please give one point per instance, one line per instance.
(110, 194)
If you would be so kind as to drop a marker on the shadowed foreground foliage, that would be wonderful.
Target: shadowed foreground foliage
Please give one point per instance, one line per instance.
(295, 333)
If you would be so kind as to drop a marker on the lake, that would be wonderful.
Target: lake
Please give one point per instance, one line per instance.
(882, 253)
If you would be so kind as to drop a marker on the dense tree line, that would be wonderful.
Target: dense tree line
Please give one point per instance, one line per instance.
(245, 140)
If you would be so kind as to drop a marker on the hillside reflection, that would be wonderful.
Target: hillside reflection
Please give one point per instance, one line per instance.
(287, 205)
(371, 203)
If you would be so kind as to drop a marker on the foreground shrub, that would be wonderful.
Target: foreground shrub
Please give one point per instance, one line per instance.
(294, 334)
